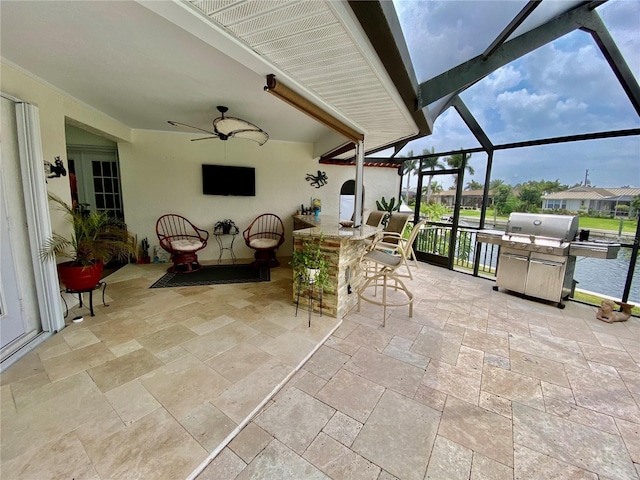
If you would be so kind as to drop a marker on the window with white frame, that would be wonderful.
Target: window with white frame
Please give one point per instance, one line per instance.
(556, 204)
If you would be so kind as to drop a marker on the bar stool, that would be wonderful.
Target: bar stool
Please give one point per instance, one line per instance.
(392, 242)
(381, 270)
(395, 226)
(375, 218)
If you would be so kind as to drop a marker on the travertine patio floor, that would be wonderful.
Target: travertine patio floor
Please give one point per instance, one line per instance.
(478, 384)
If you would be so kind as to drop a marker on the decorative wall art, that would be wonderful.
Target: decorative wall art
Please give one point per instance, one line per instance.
(319, 180)
(57, 170)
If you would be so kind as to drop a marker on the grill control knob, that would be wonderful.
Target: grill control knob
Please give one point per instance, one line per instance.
(550, 249)
(512, 244)
(536, 247)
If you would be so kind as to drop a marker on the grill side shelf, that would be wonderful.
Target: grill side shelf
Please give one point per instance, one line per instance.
(595, 250)
(492, 236)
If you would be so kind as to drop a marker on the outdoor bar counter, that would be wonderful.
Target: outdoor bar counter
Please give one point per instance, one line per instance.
(343, 248)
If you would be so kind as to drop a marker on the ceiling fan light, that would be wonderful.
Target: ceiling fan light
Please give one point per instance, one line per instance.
(227, 125)
(257, 136)
(236, 127)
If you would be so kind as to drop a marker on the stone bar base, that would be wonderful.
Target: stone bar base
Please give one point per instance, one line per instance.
(343, 248)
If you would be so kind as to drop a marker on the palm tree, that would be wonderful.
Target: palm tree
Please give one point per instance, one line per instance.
(455, 161)
(408, 167)
(494, 184)
(435, 188)
(431, 163)
(473, 185)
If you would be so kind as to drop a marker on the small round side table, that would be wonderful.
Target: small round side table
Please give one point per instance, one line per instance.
(222, 238)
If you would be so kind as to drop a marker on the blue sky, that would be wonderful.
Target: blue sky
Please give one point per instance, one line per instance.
(562, 88)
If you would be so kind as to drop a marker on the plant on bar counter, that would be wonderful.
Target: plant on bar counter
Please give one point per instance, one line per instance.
(225, 226)
(390, 207)
(310, 264)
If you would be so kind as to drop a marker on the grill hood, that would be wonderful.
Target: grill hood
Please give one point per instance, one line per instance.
(561, 227)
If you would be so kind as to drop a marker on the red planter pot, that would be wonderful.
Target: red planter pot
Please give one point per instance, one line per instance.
(77, 277)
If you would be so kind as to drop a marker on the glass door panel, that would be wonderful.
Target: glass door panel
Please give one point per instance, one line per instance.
(434, 243)
(98, 179)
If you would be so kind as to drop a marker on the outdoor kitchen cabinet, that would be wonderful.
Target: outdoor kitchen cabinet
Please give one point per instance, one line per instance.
(535, 274)
(512, 273)
(538, 254)
(547, 277)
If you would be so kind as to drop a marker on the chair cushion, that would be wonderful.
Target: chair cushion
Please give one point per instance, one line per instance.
(186, 245)
(383, 258)
(263, 243)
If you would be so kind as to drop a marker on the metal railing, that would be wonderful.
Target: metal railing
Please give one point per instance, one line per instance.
(435, 240)
(488, 260)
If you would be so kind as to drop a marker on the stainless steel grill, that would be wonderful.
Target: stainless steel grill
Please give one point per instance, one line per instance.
(538, 254)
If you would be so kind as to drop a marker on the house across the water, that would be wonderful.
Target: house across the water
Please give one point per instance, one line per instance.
(591, 199)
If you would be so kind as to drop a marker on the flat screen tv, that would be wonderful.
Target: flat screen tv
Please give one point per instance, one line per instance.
(228, 180)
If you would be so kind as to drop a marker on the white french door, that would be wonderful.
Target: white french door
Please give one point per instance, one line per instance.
(12, 323)
(30, 308)
(98, 178)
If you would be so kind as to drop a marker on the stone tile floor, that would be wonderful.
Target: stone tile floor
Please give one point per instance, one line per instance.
(477, 385)
(150, 386)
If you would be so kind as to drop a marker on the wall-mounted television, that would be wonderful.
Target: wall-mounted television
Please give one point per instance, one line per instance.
(228, 180)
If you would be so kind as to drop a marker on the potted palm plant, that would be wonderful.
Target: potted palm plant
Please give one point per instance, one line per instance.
(96, 239)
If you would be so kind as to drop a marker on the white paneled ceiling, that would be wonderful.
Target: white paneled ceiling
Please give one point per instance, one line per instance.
(322, 49)
(147, 62)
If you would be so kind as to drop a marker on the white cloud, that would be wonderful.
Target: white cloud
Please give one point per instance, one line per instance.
(622, 18)
(582, 73)
(523, 100)
(570, 107)
(481, 99)
(441, 35)
(503, 78)
(611, 163)
(563, 88)
(529, 115)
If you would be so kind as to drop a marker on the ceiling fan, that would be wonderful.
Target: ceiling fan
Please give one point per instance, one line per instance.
(225, 128)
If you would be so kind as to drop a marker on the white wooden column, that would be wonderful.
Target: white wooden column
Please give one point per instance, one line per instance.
(357, 218)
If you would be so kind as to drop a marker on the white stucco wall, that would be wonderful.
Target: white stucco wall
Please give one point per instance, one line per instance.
(575, 205)
(77, 136)
(50, 105)
(161, 173)
(54, 106)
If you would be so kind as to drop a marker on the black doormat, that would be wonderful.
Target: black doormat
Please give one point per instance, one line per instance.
(214, 275)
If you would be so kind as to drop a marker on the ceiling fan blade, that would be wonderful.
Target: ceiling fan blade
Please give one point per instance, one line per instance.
(204, 138)
(259, 136)
(230, 124)
(229, 127)
(175, 124)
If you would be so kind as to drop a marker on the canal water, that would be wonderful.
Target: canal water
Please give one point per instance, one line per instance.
(607, 276)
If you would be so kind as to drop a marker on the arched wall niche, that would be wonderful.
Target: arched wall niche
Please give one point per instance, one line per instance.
(348, 200)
